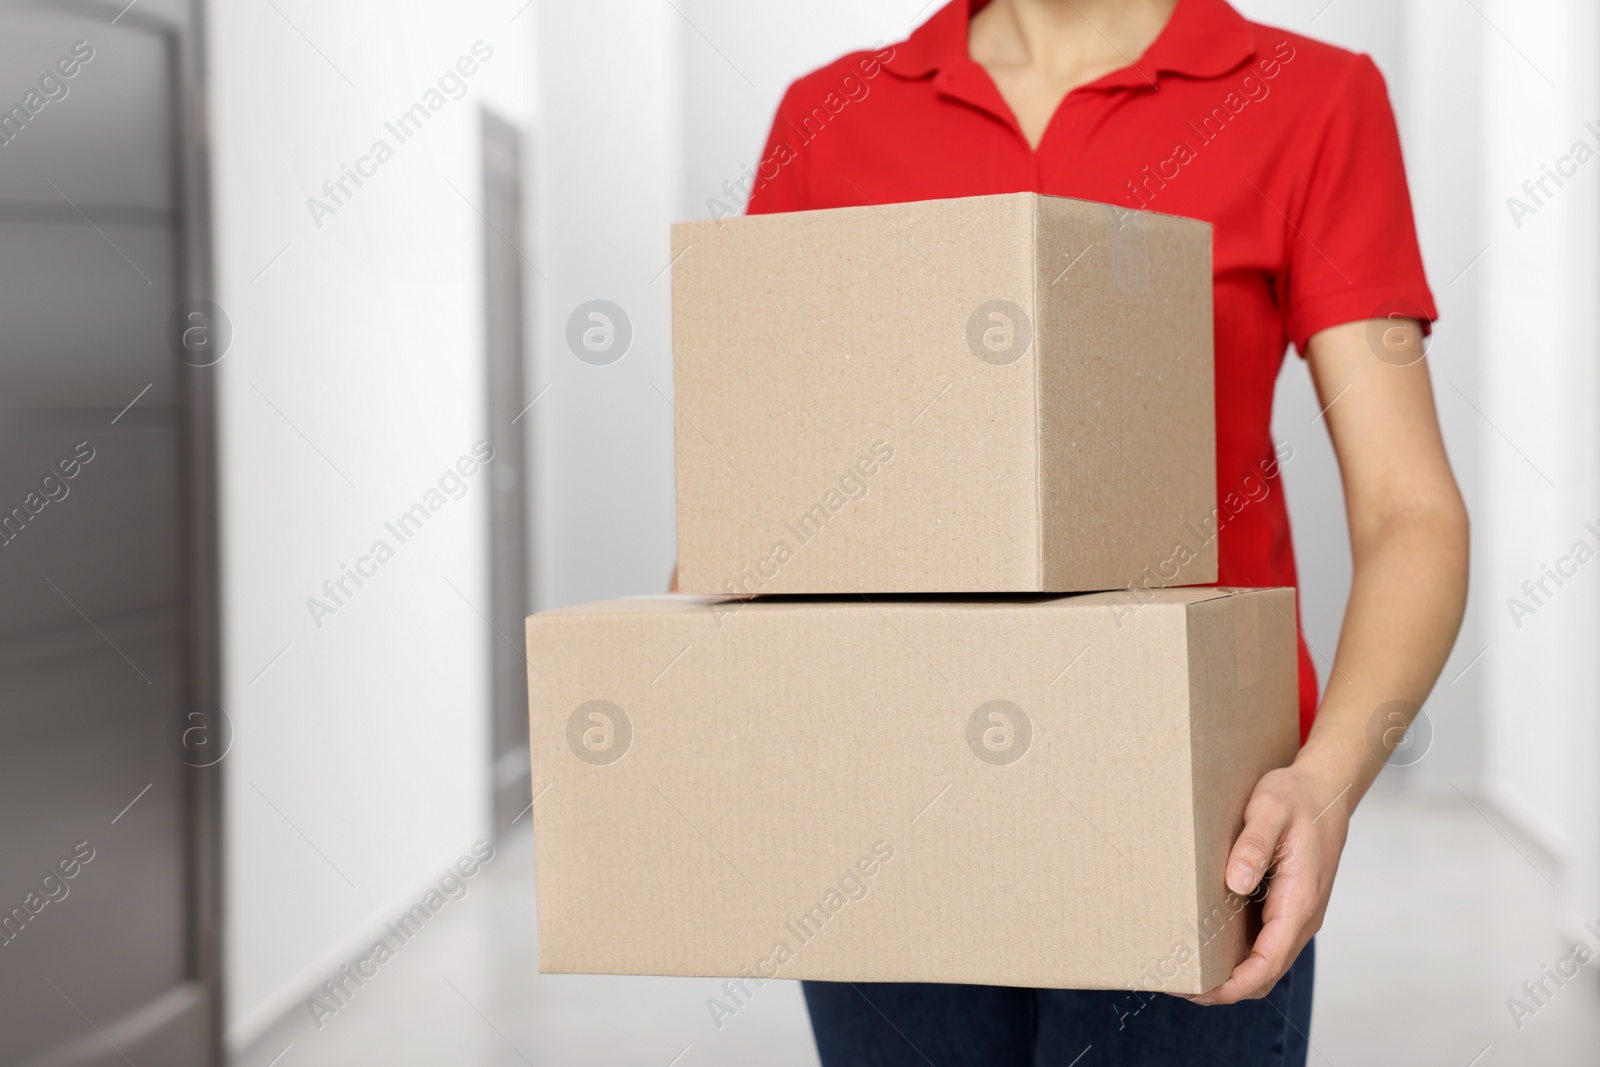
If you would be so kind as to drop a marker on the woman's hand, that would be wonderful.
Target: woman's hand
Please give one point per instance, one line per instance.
(1408, 547)
(1294, 832)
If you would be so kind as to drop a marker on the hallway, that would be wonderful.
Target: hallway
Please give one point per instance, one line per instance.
(1395, 980)
(340, 339)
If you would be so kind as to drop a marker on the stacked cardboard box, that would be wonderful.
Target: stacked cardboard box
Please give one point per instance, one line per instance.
(880, 745)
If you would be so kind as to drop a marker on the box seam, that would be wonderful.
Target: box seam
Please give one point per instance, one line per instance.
(1197, 903)
(672, 338)
(1039, 334)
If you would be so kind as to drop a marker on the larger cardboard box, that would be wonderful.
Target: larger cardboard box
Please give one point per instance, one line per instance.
(1031, 792)
(992, 394)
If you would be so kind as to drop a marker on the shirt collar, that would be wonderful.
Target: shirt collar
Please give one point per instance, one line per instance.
(1202, 39)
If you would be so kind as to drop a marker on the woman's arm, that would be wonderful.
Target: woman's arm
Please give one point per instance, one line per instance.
(1408, 542)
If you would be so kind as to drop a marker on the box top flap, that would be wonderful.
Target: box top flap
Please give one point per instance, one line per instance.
(777, 218)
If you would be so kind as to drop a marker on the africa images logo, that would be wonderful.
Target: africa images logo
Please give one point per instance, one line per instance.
(200, 736)
(1399, 732)
(999, 732)
(199, 332)
(999, 332)
(599, 332)
(599, 732)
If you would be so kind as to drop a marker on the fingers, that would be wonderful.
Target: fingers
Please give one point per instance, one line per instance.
(1265, 821)
(1269, 961)
(1292, 904)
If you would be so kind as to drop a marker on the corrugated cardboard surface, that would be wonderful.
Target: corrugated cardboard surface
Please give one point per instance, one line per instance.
(838, 431)
(754, 761)
(800, 341)
(1127, 442)
(1243, 673)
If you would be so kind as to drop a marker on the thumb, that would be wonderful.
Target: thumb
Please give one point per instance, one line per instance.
(1265, 820)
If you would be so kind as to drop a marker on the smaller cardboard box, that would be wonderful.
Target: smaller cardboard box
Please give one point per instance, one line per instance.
(990, 394)
(1026, 792)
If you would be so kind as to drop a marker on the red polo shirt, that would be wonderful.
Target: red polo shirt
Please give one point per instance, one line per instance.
(1287, 146)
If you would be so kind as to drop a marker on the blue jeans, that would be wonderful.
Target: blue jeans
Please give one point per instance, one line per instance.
(893, 1024)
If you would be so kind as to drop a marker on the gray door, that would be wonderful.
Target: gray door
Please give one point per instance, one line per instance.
(508, 412)
(107, 893)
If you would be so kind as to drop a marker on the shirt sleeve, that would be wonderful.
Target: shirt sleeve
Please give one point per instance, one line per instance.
(780, 183)
(1353, 252)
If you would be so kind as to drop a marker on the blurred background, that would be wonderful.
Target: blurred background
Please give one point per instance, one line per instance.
(275, 278)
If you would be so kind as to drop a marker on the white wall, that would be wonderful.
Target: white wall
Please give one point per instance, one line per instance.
(740, 57)
(609, 161)
(354, 381)
(1541, 455)
(651, 108)
(1443, 131)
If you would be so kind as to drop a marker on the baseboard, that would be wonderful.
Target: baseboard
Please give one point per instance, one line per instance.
(170, 1028)
(292, 995)
(1551, 839)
